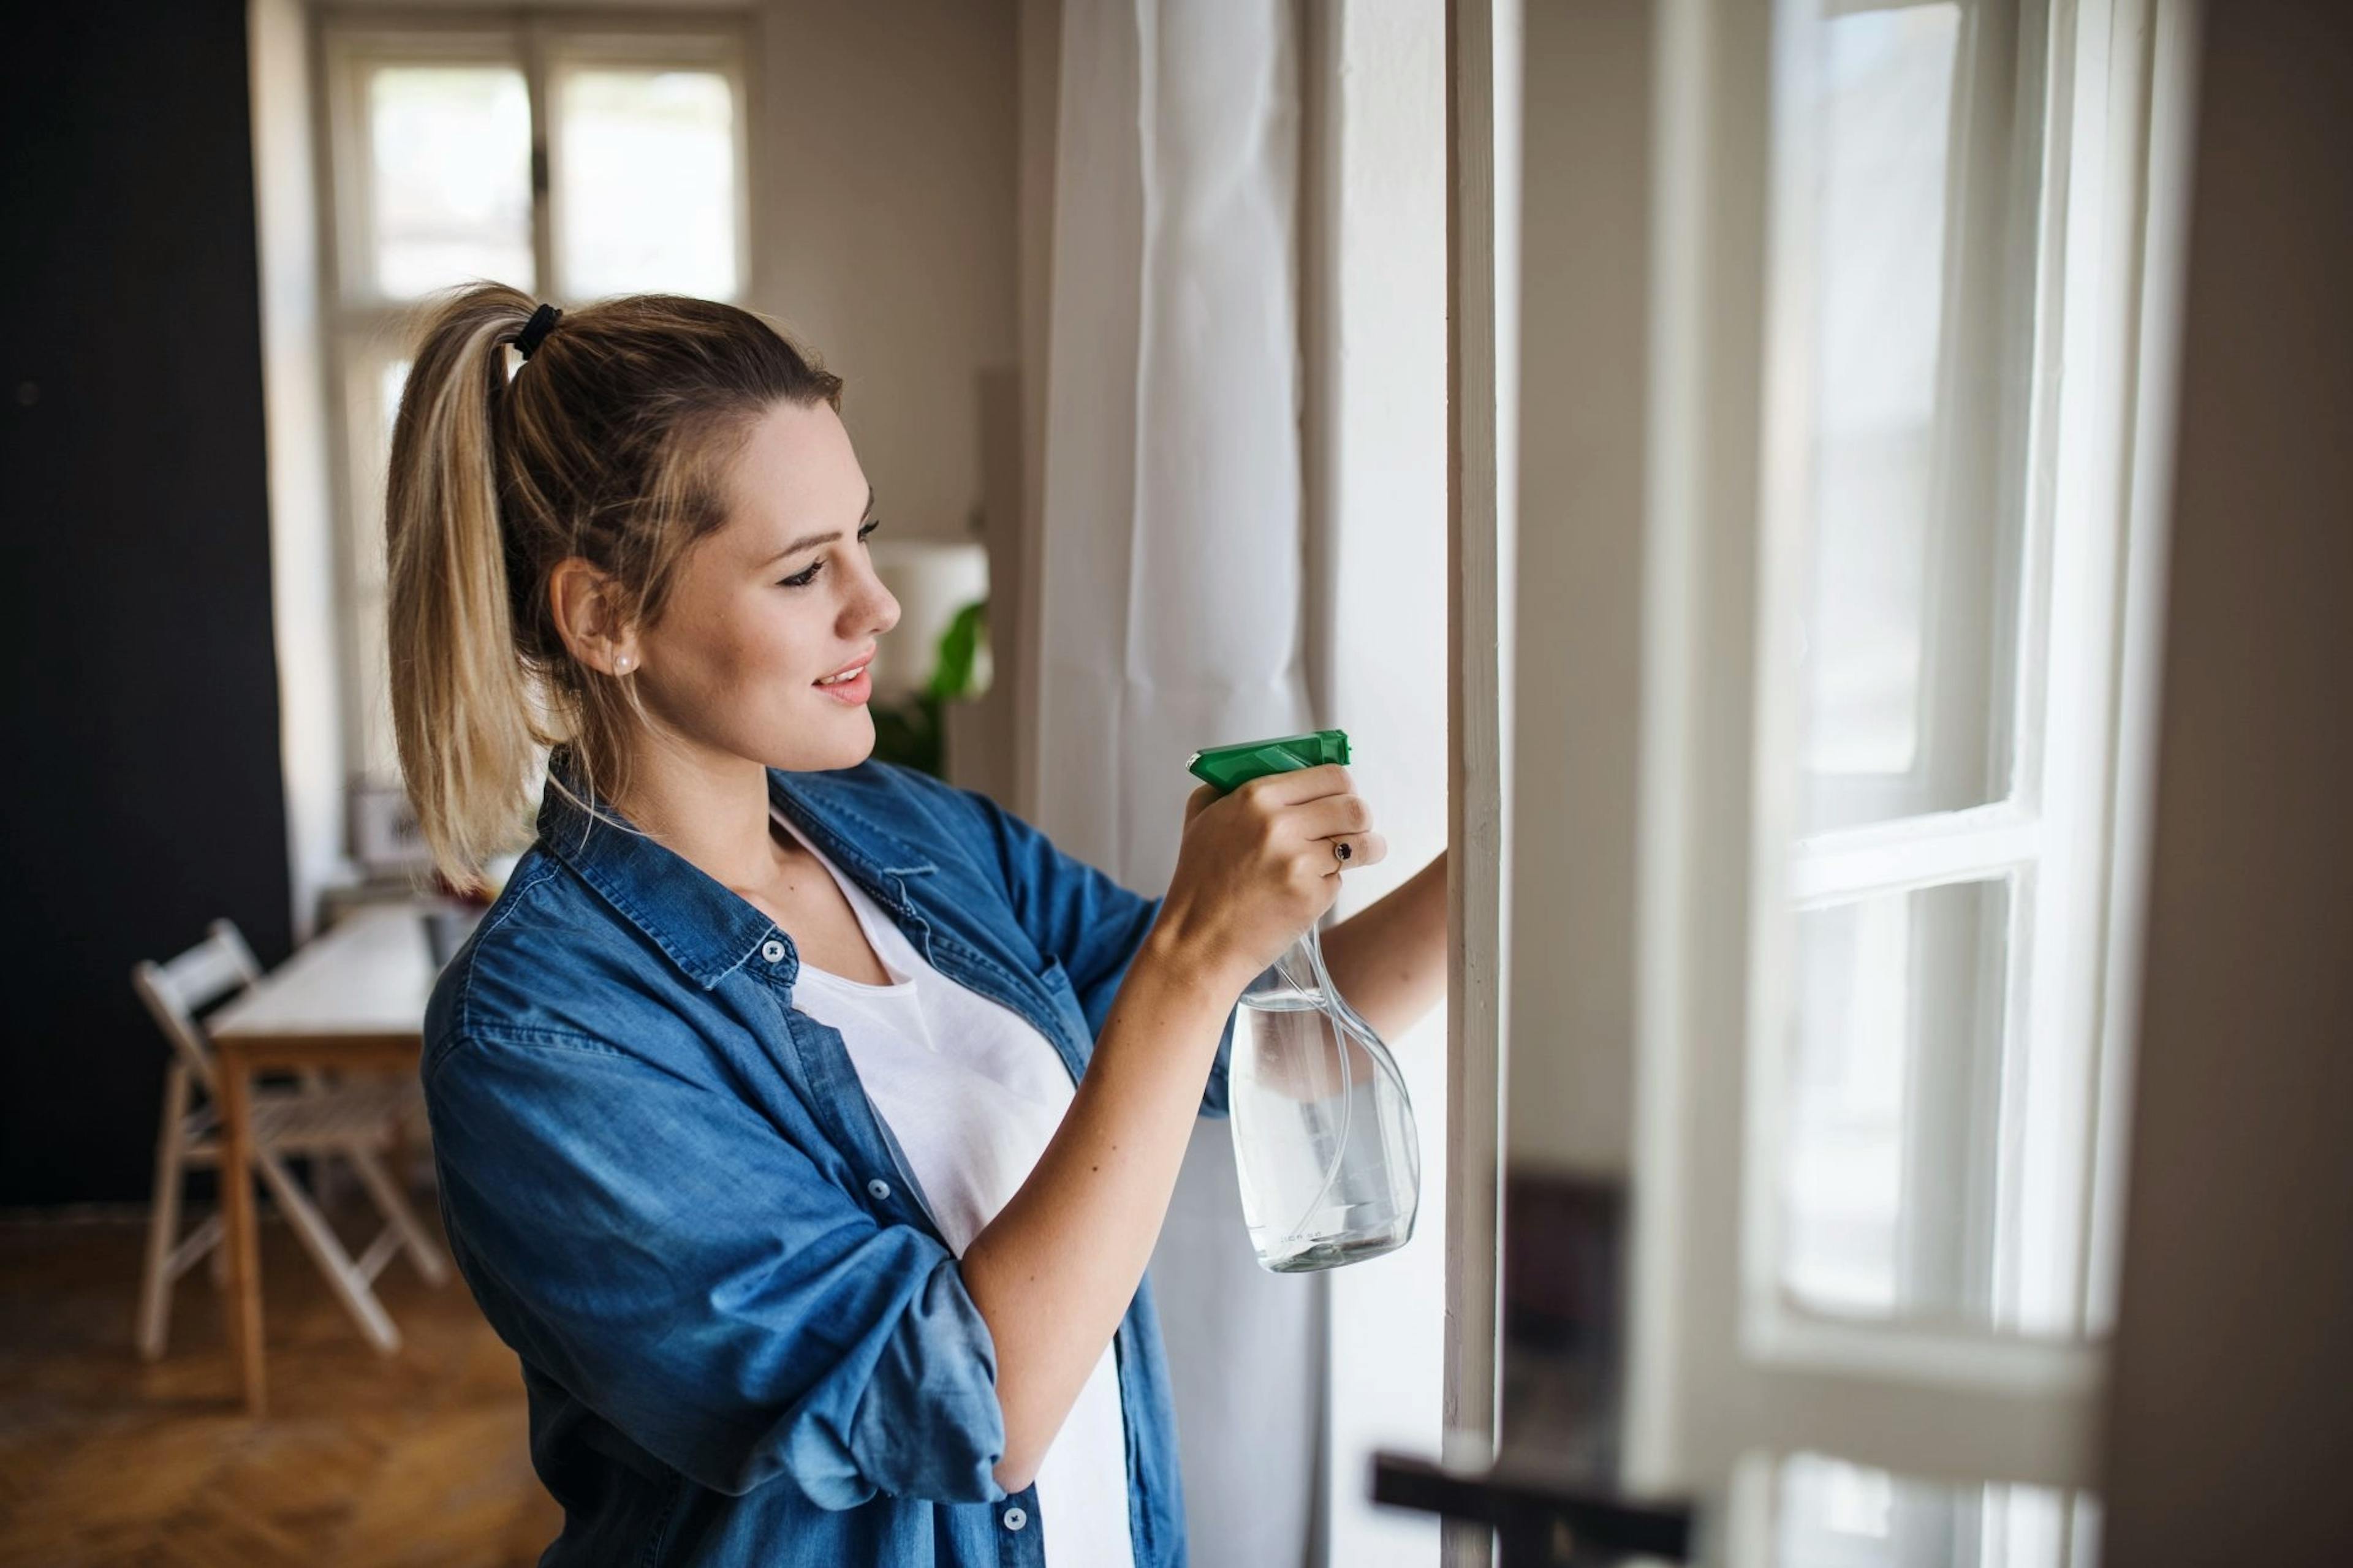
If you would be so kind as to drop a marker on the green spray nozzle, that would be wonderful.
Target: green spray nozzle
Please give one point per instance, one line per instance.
(1230, 767)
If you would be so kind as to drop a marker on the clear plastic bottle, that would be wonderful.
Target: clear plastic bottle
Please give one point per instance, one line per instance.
(1323, 1132)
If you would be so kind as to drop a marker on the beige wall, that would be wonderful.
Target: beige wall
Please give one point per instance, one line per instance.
(1014, 622)
(1576, 734)
(2231, 1421)
(885, 162)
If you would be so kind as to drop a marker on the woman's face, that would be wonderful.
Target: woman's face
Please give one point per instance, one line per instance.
(777, 599)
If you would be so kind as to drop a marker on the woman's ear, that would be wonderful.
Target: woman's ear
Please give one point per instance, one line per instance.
(587, 605)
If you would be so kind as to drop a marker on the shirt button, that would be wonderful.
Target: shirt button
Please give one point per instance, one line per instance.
(1015, 1519)
(773, 951)
(879, 1190)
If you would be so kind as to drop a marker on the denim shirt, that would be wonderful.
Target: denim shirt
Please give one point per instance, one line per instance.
(743, 1338)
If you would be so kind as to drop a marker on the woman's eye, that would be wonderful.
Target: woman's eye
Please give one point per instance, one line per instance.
(808, 575)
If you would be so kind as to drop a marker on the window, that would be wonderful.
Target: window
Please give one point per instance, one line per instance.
(571, 159)
(1960, 205)
(1911, 1152)
(1829, 1514)
(1888, 648)
(1959, 672)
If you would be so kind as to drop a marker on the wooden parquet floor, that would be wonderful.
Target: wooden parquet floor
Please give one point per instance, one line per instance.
(364, 1461)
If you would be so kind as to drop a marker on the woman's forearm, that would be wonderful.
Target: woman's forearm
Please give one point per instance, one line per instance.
(1053, 1273)
(1389, 959)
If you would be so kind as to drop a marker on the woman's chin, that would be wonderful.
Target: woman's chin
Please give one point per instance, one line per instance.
(841, 738)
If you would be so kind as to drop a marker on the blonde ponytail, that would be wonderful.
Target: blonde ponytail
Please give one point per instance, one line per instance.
(462, 708)
(611, 445)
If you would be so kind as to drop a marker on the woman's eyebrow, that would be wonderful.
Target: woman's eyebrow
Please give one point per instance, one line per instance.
(811, 541)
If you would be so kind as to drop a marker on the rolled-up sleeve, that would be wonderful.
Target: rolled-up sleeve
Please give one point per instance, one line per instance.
(661, 1251)
(1086, 919)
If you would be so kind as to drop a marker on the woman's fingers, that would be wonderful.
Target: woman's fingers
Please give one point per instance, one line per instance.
(1350, 850)
(1336, 822)
(1339, 826)
(1328, 816)
(1300, 784)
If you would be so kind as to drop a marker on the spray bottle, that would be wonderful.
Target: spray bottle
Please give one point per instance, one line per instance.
(1323, 1132)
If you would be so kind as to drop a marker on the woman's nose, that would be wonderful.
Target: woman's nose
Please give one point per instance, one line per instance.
(877, 608)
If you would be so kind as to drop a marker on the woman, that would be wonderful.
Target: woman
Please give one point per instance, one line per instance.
(804, 1124)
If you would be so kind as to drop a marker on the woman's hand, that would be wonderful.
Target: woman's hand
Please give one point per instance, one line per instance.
(1258, 866)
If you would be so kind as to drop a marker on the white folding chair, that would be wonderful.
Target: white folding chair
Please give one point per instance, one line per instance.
(354, 1121)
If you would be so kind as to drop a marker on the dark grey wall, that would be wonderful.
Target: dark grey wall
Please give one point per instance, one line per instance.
(2231, 1411)
(139, 773)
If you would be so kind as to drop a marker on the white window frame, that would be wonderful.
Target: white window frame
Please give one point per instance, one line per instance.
(1978, 447)
(1722, 1366)
(1982, 463)
(2033, 837)
(2052, 835)
(363, 328)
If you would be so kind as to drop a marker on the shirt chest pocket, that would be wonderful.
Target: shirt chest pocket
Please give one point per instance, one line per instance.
(1062, 998)
(978, 941)
(1054, 977)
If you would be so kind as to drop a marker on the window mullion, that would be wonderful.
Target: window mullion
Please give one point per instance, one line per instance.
(1922, 852)
(347, 173)
(535, 50)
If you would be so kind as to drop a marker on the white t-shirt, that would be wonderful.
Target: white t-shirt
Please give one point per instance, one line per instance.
(973, 1092)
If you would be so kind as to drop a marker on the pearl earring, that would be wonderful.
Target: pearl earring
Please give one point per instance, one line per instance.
(621, 665)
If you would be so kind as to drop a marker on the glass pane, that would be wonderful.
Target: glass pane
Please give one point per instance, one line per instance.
(1904, 639)
(1889, 1153)
(379, 753)
(375, 385)
(646, 182)
(388, 382)
(1831, 1514)
(450, 183)
(371, 384)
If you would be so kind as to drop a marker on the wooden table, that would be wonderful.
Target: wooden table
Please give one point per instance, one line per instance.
(353, 1001)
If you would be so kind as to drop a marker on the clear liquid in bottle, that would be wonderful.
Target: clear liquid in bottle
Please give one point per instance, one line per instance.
(1323, 1132)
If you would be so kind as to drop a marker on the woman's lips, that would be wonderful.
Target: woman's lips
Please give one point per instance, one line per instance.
(853, 691)
(850, 692)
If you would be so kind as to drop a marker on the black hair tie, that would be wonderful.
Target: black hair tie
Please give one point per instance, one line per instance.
(535, 332)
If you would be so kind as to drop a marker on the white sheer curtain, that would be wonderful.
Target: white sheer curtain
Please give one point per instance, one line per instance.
(1172, 613)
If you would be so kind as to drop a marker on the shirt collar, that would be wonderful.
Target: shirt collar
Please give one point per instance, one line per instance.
(708, 929)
